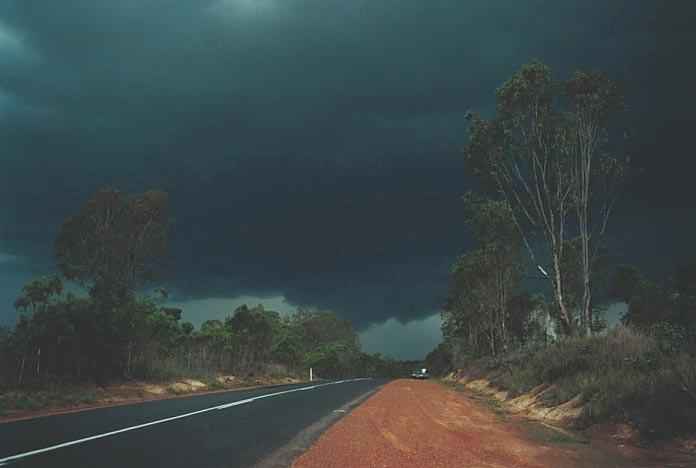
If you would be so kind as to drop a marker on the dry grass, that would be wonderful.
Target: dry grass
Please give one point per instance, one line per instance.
(623, 376)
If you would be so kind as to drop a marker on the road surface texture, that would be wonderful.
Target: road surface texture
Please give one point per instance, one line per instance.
(267, 426)
(424, 424)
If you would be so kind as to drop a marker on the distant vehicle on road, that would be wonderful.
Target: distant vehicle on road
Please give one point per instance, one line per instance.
(420, 374)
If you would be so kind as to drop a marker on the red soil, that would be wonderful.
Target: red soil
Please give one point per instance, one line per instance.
(423, 424)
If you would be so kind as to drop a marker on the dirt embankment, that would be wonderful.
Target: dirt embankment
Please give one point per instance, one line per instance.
(536, 406)
(531, 403)
(423, 424)
(31, 403)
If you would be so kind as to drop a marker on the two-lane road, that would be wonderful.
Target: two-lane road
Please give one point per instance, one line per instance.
(217, 430)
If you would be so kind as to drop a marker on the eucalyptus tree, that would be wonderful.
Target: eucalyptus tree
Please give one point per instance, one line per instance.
(498, 244)
(471, 307)
(318, 328)
(34, 304)
(252, 333)
(123, 239)
(517, 155)
(537, 157)
(596, 175)
(114, 246)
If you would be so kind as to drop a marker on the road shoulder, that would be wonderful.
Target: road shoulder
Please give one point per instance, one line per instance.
(303, 441)
(421, 423)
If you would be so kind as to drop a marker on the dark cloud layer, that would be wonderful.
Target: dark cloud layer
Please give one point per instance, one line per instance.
(312, 149)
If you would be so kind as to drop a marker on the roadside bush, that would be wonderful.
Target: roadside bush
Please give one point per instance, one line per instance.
(276, 371)
(518, 380)
(623, 376)
(659, 400)
(566, 388)
(215, 385)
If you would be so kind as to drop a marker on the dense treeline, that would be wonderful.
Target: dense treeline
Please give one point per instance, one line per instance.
(66, 337)
(115, 247)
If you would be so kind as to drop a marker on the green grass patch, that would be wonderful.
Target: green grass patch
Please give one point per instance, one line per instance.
(517, 381)
(550, 435)
(68, 400)
(215, 385)
(453, 385)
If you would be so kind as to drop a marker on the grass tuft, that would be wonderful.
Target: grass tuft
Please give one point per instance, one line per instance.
(216, 385)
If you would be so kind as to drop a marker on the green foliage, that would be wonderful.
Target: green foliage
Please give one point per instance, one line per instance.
(565, 389)
(78, 341)
(287, 348)
(215, 385)
(593, 95)
(544, 157)
(336, 359)
(120, 239)
(374, 365)
(668, 309)
(439, 360)
(251, 336)
(481, 305)
(39, 294)
(318, 328)
(490, 221)
(517, 383)
(531, 87)
(551, 435)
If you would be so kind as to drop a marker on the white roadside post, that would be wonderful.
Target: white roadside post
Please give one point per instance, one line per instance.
(310, 374)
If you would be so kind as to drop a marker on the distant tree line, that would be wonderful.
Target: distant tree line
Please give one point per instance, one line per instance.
(116, 247)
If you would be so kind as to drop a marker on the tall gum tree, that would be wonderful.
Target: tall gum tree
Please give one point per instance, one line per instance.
(122, 239)
(496, 239)
(517, 155)
(551, 167)
(596, 175)
(113, 246)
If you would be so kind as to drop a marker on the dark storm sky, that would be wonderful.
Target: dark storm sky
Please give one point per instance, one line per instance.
(311, 149)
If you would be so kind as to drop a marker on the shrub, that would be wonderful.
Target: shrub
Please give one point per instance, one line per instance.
(215, 385)
(518, 381)
(565, 389)
(622, 376)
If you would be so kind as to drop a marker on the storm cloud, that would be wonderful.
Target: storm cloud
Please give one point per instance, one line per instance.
(312, 150)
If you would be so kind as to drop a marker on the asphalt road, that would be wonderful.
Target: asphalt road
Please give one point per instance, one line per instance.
(218, 430)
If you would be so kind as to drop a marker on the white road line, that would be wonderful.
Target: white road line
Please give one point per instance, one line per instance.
(4, 461)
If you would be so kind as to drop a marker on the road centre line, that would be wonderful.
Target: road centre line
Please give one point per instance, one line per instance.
(4, 461)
